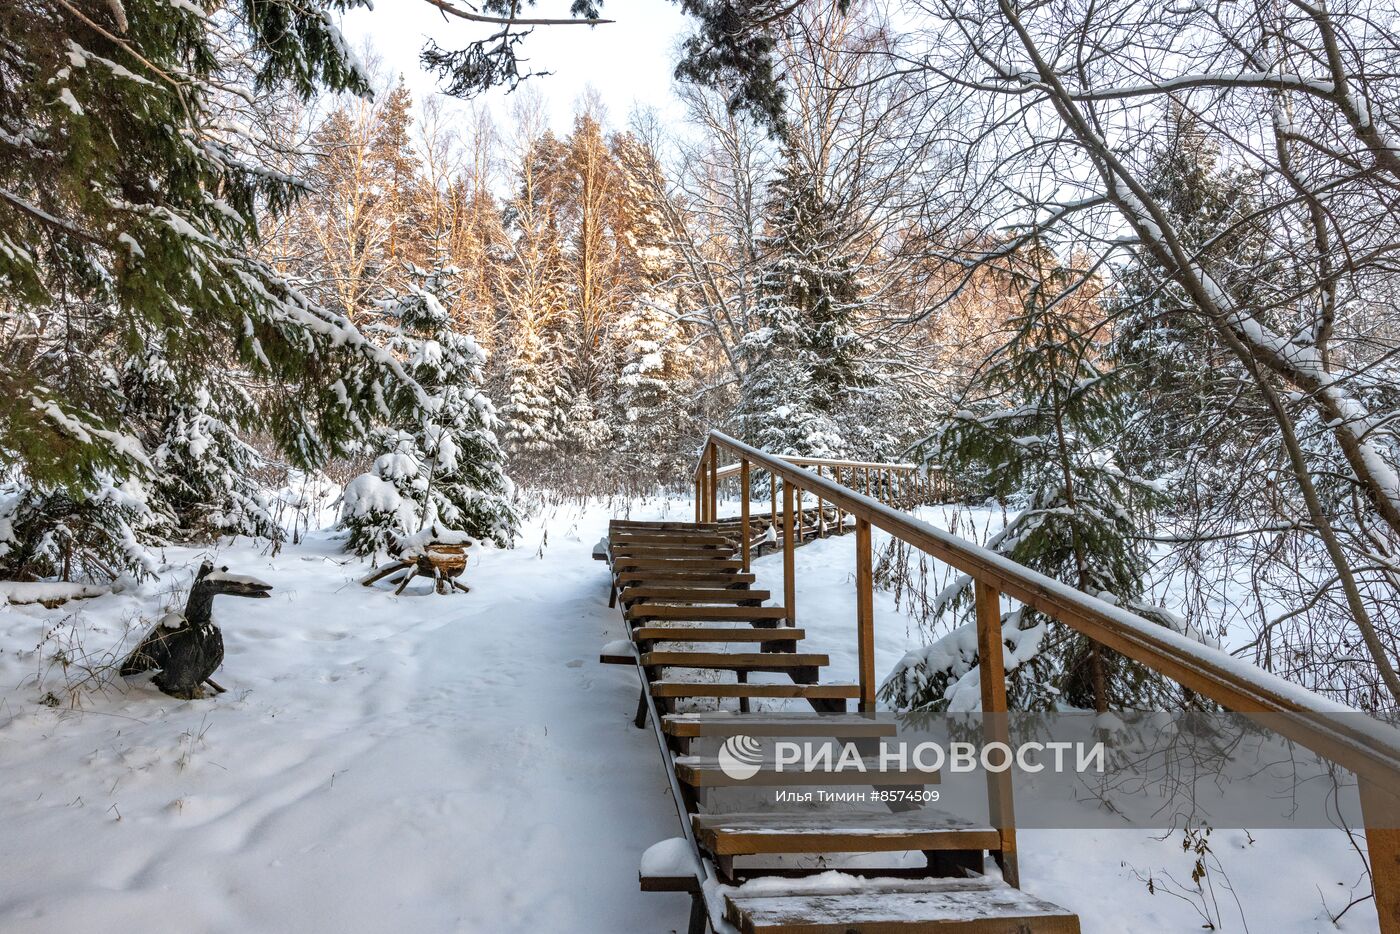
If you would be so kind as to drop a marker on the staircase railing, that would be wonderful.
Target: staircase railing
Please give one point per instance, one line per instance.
(1367, 747)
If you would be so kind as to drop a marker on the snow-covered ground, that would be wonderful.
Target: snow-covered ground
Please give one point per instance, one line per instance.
(444, 764)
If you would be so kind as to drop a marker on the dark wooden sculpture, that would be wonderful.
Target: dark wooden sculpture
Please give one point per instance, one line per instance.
(187, 647)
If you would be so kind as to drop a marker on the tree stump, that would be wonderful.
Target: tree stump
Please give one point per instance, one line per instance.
(442, 562)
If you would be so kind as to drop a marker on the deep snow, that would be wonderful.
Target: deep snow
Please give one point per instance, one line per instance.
(456, 763)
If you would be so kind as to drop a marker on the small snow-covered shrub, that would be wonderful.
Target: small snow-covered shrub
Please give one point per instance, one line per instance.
(97, 537)
(375, 513)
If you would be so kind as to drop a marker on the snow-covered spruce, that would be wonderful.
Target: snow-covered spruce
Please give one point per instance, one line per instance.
(1042, 435)
(130, 206)
(440, 466)
(804, 358)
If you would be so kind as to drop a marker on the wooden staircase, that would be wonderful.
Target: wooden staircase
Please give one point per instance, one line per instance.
(685, 596)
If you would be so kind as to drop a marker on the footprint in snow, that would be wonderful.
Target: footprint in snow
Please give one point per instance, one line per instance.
(576, 663)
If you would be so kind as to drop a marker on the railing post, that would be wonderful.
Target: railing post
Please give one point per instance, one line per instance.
(994, 725)
(865, 616)
(840, 512)
(714, 484)
(744, 509)
(789, 582)
(773, 507)
(867, 481)
(821, 516)
(1380, 808)
(699, 497)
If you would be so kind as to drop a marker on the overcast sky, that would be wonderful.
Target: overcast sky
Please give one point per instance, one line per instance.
(629, 62)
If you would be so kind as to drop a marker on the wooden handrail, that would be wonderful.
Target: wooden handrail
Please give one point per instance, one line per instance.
(1365, 745)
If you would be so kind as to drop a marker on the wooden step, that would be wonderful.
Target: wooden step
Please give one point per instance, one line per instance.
(663, 526)
(718, 579)
(897, 906)
(671, 538)
(632, 545)
(717, 689)
(677, 594)
(736, 661)
(717, 563)
(723, 723)
(839, 832)
(700, 614)
(717, 634)
(706, 772)
(671, 551)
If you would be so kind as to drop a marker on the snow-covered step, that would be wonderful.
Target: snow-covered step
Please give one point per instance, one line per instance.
(624, 538)
(631, 524)
(887, 906)
(669, 549)
(716, 563)
(715, 634)
(839, 832)
(673, 689)
(707, 772)
(736, 661)
(750, 614)
(655, 593)
(724, 723)
(722, 579)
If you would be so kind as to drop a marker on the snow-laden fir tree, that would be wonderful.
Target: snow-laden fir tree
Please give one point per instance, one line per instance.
(131, 188)
(654, 398)
(205, 477)
(805, 355)
(532, 286)
(440, 466)
(536, 399)
(1041, 436)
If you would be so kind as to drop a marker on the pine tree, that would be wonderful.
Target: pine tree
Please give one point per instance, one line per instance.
(653, 398)
(534, 408)
(805, 356)
(205, 476)
(361, 225)
(442, 460)
(1043, 436)
(1190, 379)
(380, 508)
(532, 282)
(130, 198)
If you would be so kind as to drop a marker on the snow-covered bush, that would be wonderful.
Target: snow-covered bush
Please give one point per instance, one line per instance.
(97, 537)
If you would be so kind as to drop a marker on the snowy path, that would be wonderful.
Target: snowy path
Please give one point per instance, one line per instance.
(425, 764)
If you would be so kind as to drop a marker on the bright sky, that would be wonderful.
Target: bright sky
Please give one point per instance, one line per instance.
(628, 62)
